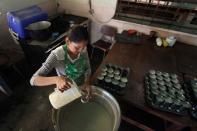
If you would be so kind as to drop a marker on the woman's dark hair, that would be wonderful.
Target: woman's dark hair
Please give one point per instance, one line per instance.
(78, 34)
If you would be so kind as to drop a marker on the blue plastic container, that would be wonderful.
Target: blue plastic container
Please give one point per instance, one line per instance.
(18, 20)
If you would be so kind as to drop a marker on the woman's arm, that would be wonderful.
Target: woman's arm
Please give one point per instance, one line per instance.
(45, 81)
(88, 67)
(61, 82)
(40, 78)
(87, 83)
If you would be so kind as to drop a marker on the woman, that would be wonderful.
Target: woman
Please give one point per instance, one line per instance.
(70, 61)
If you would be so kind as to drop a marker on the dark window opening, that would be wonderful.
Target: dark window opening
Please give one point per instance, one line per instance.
(179, 15)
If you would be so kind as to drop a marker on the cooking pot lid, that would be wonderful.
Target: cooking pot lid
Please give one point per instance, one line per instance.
(40, 25)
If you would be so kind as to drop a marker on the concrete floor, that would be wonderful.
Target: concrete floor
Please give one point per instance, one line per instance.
(27, 110)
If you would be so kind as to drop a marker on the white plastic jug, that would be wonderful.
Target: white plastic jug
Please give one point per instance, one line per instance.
(59, 99)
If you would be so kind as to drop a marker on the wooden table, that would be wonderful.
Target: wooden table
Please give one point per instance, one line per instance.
(140, 58)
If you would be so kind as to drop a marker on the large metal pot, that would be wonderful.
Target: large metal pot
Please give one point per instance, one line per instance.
(101, 113)
(39, 30)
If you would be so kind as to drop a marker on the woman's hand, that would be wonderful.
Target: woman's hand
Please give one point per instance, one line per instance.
(87, 89)
(87, 93)
(62, 83)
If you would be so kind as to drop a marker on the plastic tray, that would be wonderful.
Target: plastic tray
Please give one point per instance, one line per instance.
(192, 98)
(164, 105)
(117, 89)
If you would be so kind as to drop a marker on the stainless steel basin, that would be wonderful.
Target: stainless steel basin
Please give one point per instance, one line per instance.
(101, 113)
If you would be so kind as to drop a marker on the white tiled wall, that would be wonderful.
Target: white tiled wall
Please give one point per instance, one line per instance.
(122, 25)
(9, 5)
(76, 7)
(5, 38)
(105, 9)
